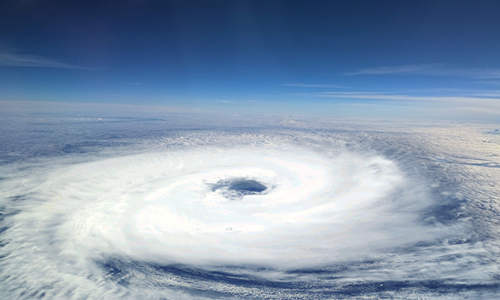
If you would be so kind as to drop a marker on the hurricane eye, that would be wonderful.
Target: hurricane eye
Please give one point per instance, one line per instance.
(239, 187)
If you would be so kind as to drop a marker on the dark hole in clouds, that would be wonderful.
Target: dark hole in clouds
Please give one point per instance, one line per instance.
(239, 187)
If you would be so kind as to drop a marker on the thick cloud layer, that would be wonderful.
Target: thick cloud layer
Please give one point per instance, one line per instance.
(213, 214)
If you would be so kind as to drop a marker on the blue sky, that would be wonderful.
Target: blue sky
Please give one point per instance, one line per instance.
(350, 58)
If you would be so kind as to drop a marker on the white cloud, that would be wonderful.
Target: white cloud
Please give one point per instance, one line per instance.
(32, 61)
(473, 98)
(313, 85)
(401, 69)
(429, 70)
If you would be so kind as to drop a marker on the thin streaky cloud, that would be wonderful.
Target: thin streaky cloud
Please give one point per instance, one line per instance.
(489, 82)
(223, 101)
(491, 94)
(429, 70)
(313, 85)
(32, 61)
(403, 97)
(387, 70)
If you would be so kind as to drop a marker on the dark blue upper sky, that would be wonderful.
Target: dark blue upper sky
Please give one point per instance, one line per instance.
(288, 54)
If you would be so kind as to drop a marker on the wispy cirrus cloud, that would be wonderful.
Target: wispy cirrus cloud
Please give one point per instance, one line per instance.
(9, 59)
(429, 70)
(362, 95)
(401, 69)
(493, 81)
(313, 85)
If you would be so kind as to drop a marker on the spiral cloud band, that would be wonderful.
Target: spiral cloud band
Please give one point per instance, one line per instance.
(146, 222)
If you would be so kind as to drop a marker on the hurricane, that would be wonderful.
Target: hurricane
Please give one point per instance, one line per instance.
(246, 213)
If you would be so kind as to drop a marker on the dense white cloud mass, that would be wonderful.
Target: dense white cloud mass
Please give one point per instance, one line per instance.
(266, 213)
